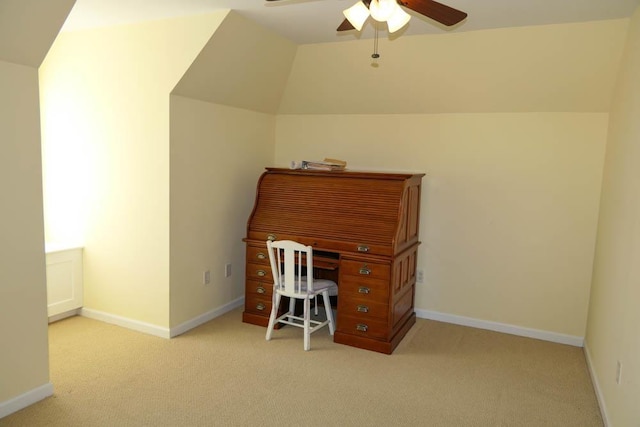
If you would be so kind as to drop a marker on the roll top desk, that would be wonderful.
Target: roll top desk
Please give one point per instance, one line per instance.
(364, 230)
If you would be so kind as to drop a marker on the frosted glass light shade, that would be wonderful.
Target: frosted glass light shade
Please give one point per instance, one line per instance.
(357, 15)
(381, 10)
(398, 20)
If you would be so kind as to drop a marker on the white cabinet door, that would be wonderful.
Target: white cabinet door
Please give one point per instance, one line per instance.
(64, 281)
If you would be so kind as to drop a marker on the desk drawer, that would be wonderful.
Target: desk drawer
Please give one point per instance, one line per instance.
(367, 328)
(259, 272)
(364, 287)
(258, 254)
(260, 287)
(363, 308)
(258, 304)
(365, 269)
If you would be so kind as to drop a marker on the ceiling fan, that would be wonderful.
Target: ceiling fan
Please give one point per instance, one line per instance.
(431, 9)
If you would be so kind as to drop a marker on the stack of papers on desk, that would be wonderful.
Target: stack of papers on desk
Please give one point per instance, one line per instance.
(325, 165)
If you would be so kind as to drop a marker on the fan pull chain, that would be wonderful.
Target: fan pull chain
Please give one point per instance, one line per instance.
(375, 44)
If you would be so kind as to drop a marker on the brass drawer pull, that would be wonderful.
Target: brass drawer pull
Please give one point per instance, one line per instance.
(363, 290)
(261, 290)
(261, 255)
(271, 237)
(361, 327)
(260, 306)
(363, 248)
(363, 309)
(261, 273)
(365, 270)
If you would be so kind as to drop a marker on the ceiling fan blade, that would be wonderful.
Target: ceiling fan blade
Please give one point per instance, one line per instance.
(437, 11)
(345, 26)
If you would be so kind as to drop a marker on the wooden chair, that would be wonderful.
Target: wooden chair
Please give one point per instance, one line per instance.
(288, 259)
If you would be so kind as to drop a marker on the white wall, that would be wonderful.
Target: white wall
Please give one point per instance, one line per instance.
(613, 333)
(25, 37)
(106, 97)
(509, 204)
(217, 155)
(138, 179)
(510, 127)
(23, 297)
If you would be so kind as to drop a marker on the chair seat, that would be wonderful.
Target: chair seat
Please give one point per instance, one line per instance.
(319, 285)
(322, 283)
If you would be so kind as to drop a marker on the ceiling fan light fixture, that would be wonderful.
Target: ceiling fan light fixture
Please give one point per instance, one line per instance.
(397, 20)
(382, 10)
(357, 15)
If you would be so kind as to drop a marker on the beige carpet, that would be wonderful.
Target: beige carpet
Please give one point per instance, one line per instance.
(224, 373)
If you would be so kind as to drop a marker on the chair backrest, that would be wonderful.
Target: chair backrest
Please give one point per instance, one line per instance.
(287, 259)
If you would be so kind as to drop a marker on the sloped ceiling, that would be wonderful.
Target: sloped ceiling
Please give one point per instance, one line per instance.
(29, 27)
(243, 65)
(553, 68)
(315, 21)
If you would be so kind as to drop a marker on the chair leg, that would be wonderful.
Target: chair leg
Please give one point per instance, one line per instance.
(292, 307)
(307, 324)
(327, 309)
(274, 312)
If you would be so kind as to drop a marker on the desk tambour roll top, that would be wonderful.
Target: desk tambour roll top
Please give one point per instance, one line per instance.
(348, 211)
(365, 219)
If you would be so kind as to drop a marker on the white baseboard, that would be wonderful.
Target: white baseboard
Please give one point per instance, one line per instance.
(204, 318)
(64, 315)
(158, 331)
(29, 398)
(596, 386)
(125, 322)
(501, 327)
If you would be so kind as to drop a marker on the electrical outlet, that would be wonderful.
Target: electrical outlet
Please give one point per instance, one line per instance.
(618, 372)
(227, 270)
(206, 277)
(420, 276)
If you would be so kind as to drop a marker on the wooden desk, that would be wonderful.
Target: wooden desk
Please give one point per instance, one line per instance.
(368, 221)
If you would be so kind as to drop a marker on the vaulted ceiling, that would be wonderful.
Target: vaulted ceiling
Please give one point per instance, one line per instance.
(315, 21)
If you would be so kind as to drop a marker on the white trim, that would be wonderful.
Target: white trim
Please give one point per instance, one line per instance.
(158, 331)
(502, 327)
(29, 398)
(596, 386)
(135, 325)
(64, 315)
(204, 318)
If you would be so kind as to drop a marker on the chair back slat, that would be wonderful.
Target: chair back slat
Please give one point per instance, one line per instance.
(287, 260)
